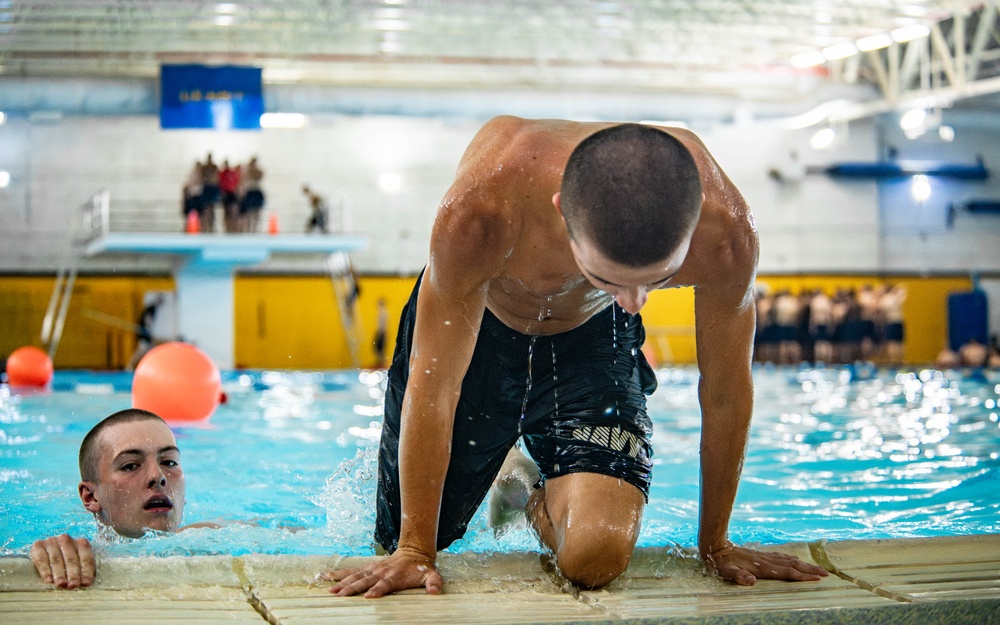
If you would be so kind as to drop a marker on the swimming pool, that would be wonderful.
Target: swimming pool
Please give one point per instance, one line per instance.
(835, 453)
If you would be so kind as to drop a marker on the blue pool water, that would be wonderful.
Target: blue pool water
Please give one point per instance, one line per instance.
(290, 461)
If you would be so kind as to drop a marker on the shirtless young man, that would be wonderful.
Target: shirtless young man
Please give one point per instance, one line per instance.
(130, 479)
(525, 322)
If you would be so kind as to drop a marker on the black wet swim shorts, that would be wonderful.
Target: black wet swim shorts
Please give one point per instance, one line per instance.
(578, 398)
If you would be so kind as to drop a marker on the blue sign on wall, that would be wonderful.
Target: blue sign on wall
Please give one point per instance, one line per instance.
(223, 97)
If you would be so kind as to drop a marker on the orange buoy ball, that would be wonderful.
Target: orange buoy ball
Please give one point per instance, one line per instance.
(178, 382)
(29, 366)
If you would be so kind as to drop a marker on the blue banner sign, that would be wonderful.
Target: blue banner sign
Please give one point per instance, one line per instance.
(221, 97)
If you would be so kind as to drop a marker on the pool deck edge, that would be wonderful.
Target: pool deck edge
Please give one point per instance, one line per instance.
(919, 580)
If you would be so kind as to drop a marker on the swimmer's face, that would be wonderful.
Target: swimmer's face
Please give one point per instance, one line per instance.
(141, 484)
(630, 286)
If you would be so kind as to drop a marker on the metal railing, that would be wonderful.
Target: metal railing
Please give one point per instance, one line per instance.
(90, 221)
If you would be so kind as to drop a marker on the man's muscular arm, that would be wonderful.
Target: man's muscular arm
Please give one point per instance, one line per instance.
(726, 248)
(470, 239)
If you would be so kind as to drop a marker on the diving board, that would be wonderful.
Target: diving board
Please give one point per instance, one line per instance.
(205, 269)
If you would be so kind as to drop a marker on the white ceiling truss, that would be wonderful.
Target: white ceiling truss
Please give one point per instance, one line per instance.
(957, 61)
(735, 48)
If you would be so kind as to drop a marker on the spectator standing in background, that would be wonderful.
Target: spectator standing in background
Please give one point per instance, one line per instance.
(229, 186)
(893, 333)
(209, 194)
(252, 196)
(786, 316)
(821, 326)
(191, 194)
(319, 213)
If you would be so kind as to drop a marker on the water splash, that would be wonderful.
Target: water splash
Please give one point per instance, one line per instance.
(349, 499)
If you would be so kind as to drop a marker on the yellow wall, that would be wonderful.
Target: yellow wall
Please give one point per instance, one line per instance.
(292, 322)
(99, 332)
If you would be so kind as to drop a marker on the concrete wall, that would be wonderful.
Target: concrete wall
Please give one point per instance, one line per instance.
(56, 165)
(813, 224)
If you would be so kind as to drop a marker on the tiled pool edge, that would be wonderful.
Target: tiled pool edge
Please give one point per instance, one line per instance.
(940, 580)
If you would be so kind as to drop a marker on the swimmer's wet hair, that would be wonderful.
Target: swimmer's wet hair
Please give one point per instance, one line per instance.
(90, 454)
(634, 190)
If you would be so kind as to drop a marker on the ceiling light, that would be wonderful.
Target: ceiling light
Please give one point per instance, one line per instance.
(875, 42)
(913, 119)
(947, 133)
(282, 74)
(4, 179)
(808, 59)
(283, 120)
(840, 51)
(920, 189)
(670, 123)
(223, 20)
(913, 10)
(226, 7)
(911, 32)
(390, 25)
(831, 110)
(822, 139)
(390, 182)
(3, 118)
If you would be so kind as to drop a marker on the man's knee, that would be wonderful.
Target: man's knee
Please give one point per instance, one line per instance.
(595, 558)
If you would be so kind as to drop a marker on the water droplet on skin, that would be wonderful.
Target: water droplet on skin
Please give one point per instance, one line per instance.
(447, 322)
(427, 371)
(527, 390)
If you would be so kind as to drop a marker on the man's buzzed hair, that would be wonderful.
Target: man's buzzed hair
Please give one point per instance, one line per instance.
(634, 191)
(89, 449)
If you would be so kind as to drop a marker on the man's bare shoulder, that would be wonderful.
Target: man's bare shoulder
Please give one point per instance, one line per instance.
(507, 140)
(724, 249)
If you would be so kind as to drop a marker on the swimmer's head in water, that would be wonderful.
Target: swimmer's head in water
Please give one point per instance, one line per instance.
(130, 471)
(634, 191)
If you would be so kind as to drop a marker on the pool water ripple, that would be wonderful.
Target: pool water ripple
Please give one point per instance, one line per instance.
(289, 463)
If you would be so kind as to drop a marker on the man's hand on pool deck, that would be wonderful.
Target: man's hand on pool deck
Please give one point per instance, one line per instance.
(64, 561)
(400, 571)
(745, 566)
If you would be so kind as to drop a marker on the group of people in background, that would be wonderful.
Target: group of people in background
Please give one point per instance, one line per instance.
(236, 190)
(972, 353)
(812, 326)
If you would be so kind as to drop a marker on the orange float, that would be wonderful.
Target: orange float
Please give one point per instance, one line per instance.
(178, 382)
(29, 366)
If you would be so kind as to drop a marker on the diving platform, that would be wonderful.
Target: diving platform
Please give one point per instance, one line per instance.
(204, 273)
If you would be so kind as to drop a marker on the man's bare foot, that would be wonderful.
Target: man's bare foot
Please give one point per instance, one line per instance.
(511, 490)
